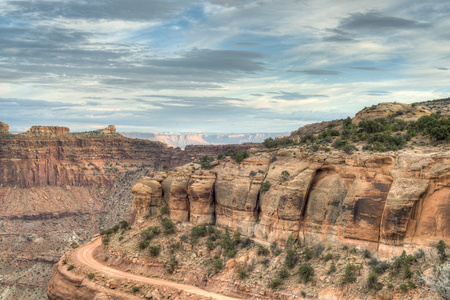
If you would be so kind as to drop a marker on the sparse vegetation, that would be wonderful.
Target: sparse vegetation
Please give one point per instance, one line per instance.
(265, 186)
(306, 273)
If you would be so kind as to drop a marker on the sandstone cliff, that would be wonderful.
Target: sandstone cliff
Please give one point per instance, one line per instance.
(386, 201)
(4, 128)
(57, 130)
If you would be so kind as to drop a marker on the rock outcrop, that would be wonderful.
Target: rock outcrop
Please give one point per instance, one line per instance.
(111, 129)
(405, 112)
(57, 130)
(381, 200)
(4, 128)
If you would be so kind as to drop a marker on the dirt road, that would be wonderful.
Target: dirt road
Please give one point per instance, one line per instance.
(85, 256)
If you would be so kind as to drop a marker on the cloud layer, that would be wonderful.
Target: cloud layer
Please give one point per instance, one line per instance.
(217, 65)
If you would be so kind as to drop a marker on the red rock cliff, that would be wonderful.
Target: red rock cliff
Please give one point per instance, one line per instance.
(381, 200)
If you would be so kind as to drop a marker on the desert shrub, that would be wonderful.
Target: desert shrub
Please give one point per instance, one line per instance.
(216, 265)
(350, 275)
(168, 226)
(314, 148)
(165, 167)
(262, 250)
(143, 244)
(173, 263)
(136, 289)
(441, 250)
(91, 275)
(283, 273)
(242, 273)
(246, 242)
(205, 162)
(239, 155)
(154, 250)
(150, 233)
(407, 273)
(372, 282)
(285, 174)
(419, 254)
(237, 237)
(70, 267)
(307, 139)
(307, 254)
(332, 268)
(275, 283)
(271, 143)
(210, 245)
(164, 210)
(411, 284)
(74, 245)
(291, 257)
(123, 224)
(328, 257)
(174, 247)
(106, 241)
(265, 186)
(366, 253)
(220, 155)
(306, 273)
(198, 231)
(403, 287)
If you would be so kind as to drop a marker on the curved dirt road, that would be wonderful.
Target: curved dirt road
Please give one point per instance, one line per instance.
(84, 255)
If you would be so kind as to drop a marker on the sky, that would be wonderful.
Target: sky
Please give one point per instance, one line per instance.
(217, 65)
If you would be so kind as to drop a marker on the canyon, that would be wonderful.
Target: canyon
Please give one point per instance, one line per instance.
(178, 139)
(390, 204)
(57, 189)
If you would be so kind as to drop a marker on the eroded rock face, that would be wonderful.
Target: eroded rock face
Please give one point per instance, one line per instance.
(380, 199)
(58, 130)
(4, 128)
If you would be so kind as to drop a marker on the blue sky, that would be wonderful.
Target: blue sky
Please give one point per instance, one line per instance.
(218, 65)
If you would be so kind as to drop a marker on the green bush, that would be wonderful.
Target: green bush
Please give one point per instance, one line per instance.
(220, 155)
(403, 288)
(198, 231)
(173, 262)
(143, 244)
(91, 275)
(168, 226)
(106, 241)
(265, 186)
(205, 162)
(275, 283)
(366, 253)
(237, 237)
(291, 257)
(283, 273)
(285, 174)
(372, 282)
(328, 257)
(306, 273)
(70, 267)
(332, 268)
(441, 250)
(307, 254)
(136, 289)
(242, 273)
(150, 233)
(262, 250)
(216, 265)
(123, 224)
(154, 250)
(164, 210)
(210, 245)
(350, 275)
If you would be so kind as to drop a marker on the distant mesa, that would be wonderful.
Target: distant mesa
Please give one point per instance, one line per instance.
(49, 130)
(108, 130)
(4, 128)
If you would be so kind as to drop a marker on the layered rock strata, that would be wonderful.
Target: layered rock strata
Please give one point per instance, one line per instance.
(58, 188)
(381, 200)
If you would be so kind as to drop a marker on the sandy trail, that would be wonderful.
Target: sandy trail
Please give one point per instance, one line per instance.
(85, 256)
